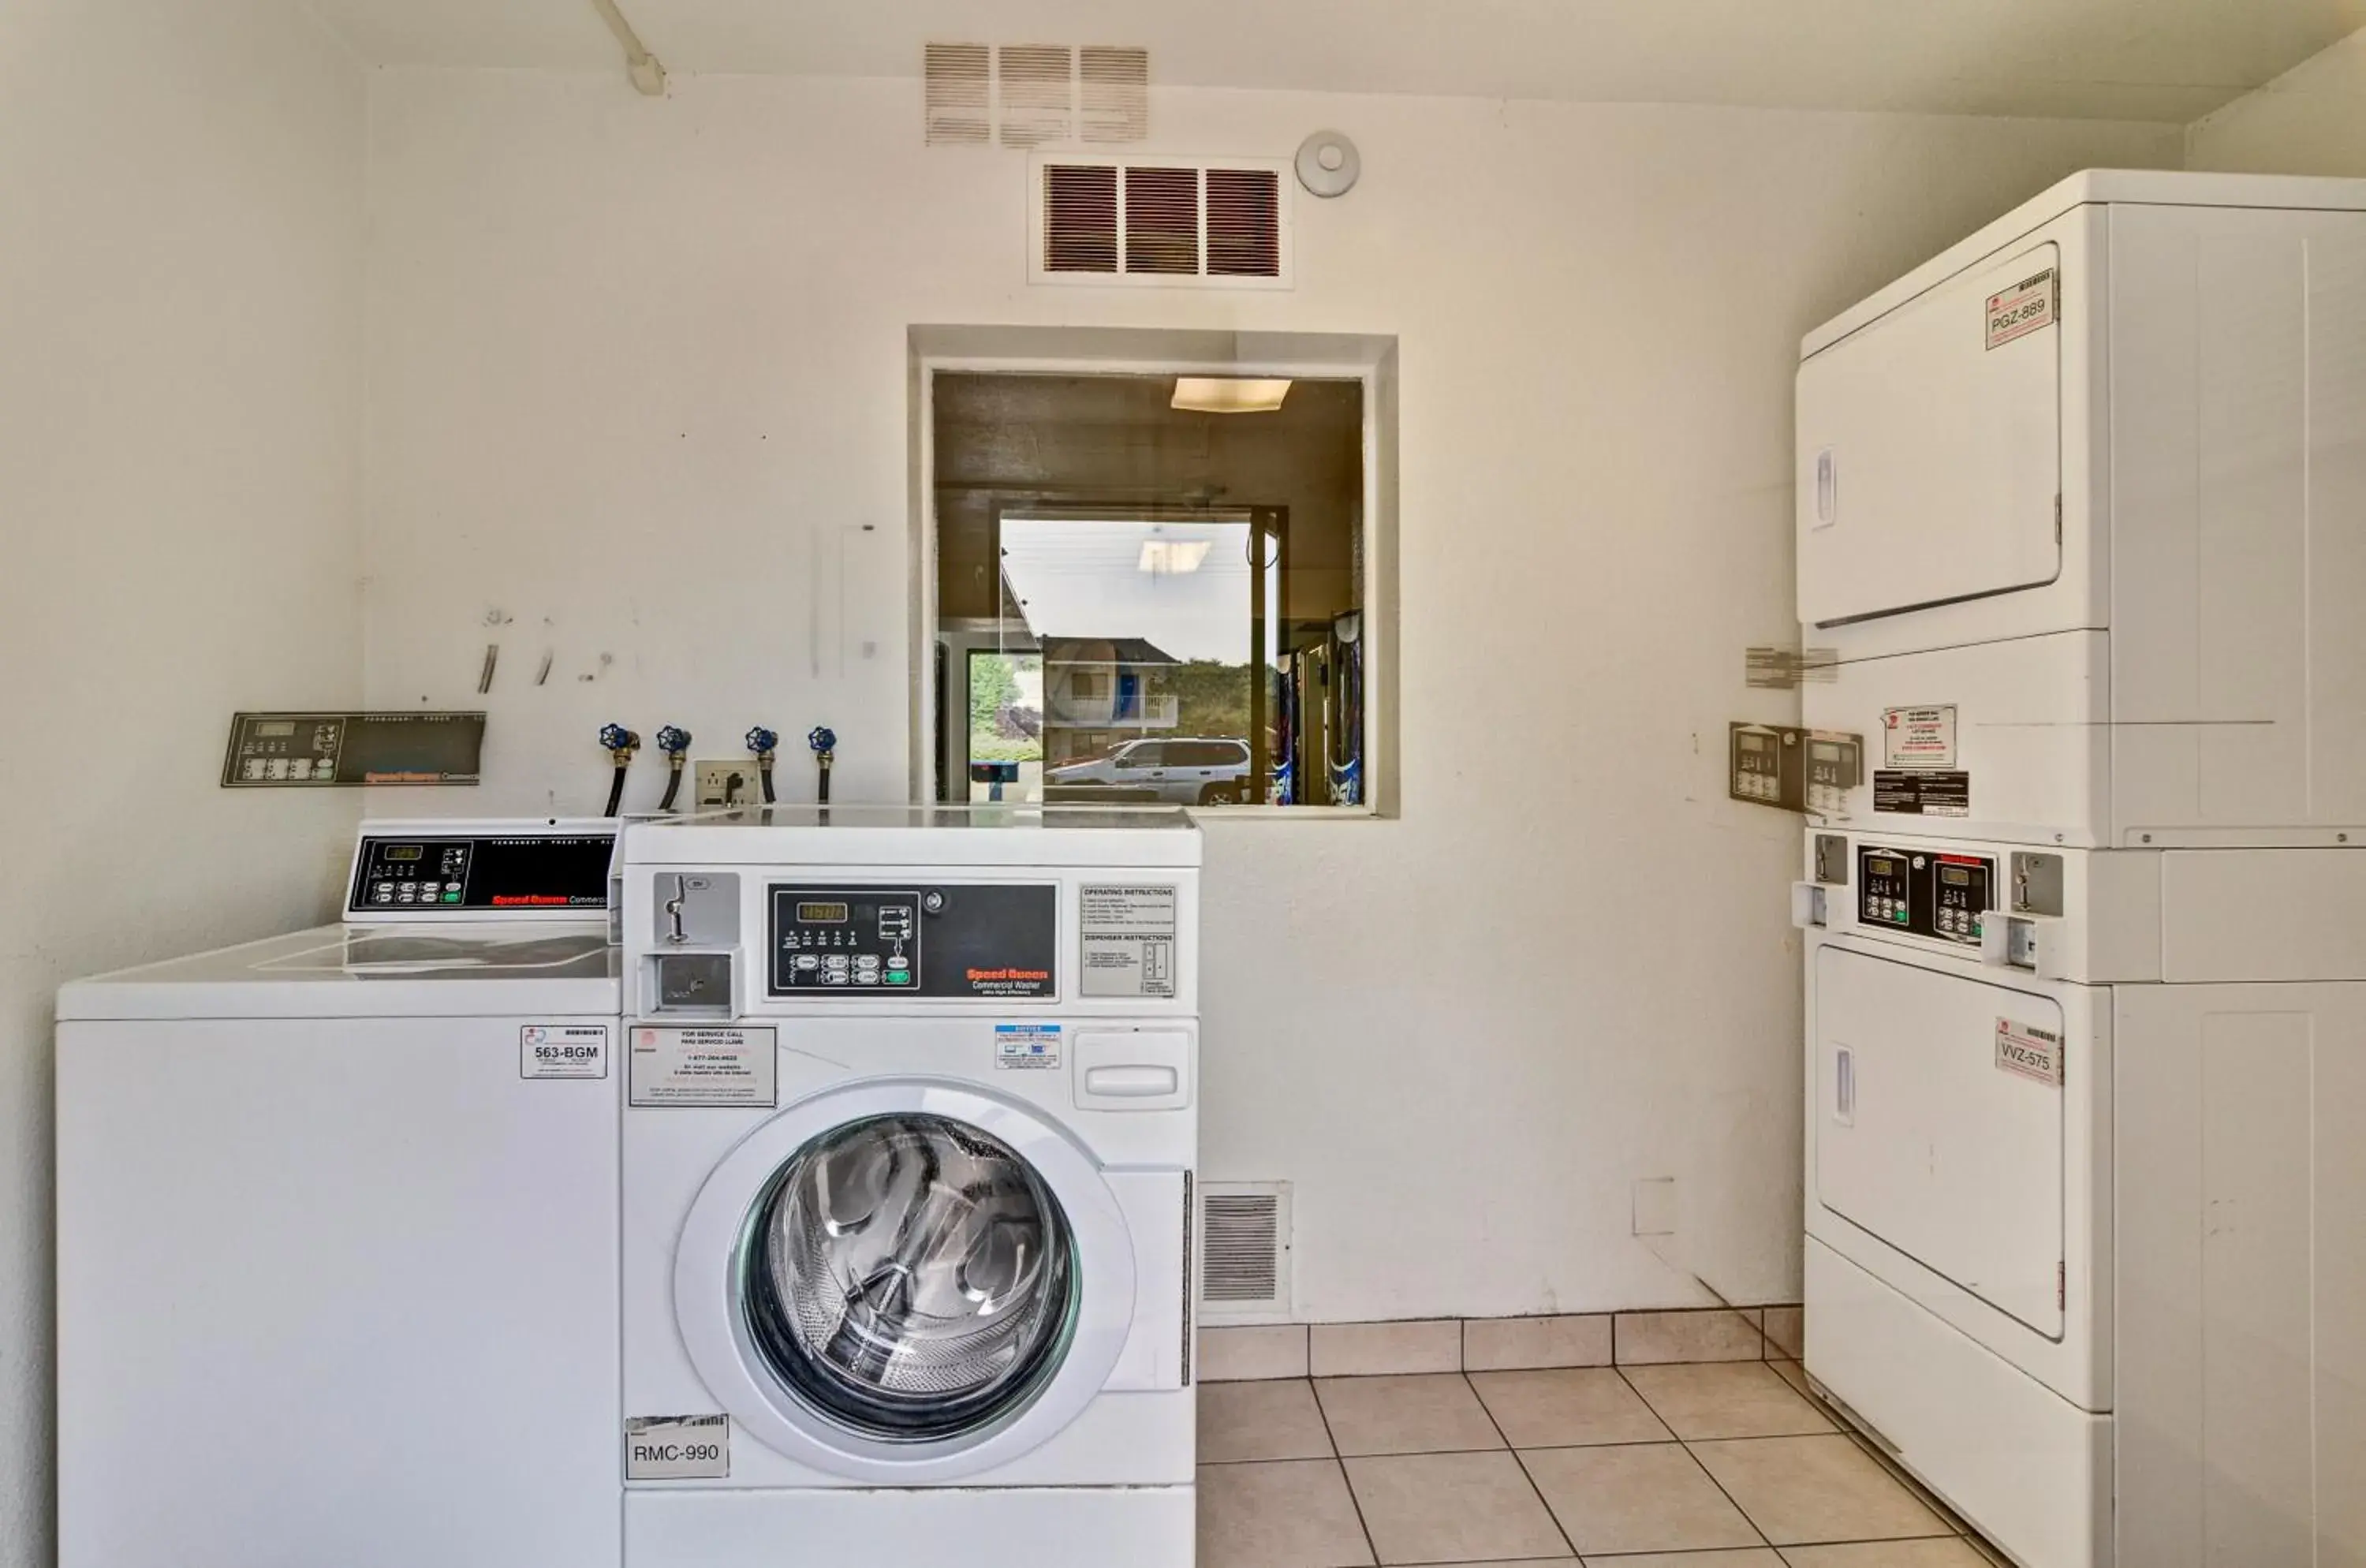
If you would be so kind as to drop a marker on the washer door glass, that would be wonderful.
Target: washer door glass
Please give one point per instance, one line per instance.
(910, 1278)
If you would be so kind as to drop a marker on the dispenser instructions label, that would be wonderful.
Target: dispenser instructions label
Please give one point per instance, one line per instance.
(1919, 738)
(2034, 1054)
(2027, 307)
(1025, 1047)
(563, 1051)
(677, 1448)
(703, 1067)
(1128, 935)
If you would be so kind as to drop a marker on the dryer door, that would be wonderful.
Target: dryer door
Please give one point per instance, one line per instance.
(905, 1281)
(1941, 1125)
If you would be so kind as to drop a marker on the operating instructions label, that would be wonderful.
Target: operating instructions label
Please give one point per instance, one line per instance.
(677, 1448)
(703, 1067)
(1128, 933)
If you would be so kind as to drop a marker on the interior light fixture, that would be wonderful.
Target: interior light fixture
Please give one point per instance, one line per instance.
(1229, 394)
(1163, 557)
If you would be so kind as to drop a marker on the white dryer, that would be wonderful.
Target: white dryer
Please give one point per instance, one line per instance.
(2082, 1189)
(336, 1265)
(908, 1149)
(2078, 521)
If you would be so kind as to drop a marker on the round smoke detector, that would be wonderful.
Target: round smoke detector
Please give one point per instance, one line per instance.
(1328, 164)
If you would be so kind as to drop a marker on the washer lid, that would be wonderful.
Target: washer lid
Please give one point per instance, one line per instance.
(904, 1281)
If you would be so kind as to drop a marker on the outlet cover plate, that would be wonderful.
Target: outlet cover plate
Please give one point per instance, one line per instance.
(718, 786)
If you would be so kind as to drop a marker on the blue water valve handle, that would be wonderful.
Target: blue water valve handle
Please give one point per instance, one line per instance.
(673, 740)
(763, 742)
(823, 740)
(619, 741)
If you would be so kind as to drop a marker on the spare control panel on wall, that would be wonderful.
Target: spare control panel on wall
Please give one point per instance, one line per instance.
(481, 873)
(1924, 892)
(969, 941)
(273, 750)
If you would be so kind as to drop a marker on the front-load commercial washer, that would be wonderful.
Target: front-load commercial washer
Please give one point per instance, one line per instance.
(2078, 553)
(336, 1226)
(2083, 1188)
(910, 1131)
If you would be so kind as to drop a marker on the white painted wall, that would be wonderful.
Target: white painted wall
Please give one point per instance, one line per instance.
(635, 366)
(180, 388)
(2310, 121)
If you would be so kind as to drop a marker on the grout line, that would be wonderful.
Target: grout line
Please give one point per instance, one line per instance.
(1521, 1466)
(1345, 1480)
(1730, 1500)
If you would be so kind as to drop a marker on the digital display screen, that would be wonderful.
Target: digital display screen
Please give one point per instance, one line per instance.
(1826, 753)
(402, 852)
(821, 914)
(1954, 877)
(275, 730)
(1753, 743)
(1882, 867)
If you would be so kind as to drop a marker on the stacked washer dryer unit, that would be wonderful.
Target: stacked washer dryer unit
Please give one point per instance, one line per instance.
(908, 1149)
(337, 1226)
(2082, 517)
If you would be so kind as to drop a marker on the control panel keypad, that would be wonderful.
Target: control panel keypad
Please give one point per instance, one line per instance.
(1923, 893)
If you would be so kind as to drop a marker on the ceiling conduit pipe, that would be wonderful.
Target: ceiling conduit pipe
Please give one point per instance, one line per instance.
(646, 73)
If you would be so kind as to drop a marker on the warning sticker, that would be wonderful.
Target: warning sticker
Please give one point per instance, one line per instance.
(702, 1067)
(677, 1448)
(2027, 307)
(2033, 1053)
(1919, 738)
(1923, 794)
(1128, 940)
(563, 1051)
(1026, 1046)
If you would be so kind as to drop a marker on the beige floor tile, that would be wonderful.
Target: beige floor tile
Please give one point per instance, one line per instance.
(1510, 1344)
(1275, 1350)
(1726, 1398)
(1565, 1407)
(1898, 1473)
(1747, 1557)
(1426, 1414)
(1885, 1554)
(1786, 1332)
(1715, 1334)
(1380, 1350)
(1648, 1497)
(1795, 1374)
(1452, 1509)
(1296, 1514)
(1260, 1420)
(1804, 1490)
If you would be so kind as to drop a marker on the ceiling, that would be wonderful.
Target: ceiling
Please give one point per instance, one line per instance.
(2152, 60)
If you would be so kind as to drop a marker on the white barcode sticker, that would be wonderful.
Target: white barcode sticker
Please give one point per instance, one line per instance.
(2027, 307)
(2034, 1054)
(677, 1448)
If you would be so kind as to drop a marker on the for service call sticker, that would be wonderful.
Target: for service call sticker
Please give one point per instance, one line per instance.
(2028, 305)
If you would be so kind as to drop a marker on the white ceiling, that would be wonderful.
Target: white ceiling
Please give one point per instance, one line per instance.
(2154, 60)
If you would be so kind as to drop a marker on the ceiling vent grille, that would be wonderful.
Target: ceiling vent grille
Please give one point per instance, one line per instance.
(958, 86)
(1244, 1252)
(1034, 94)
(1160, 220)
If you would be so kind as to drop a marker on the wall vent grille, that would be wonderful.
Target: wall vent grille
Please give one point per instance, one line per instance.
(1244, 1252)
(1109, 219)
(1034, 94)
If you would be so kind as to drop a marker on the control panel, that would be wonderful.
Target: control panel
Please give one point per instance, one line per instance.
(1796, 769)
(967, 941)
(1924, 892)
(277, 750)
(475, 875)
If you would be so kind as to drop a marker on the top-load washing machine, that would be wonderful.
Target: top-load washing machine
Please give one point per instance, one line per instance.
(336, 1272)
(2079, 549)
(908, 1145)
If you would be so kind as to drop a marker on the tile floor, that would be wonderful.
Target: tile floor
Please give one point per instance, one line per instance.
(1727, 1465)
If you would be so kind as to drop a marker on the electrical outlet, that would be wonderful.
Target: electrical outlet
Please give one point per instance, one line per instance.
(724, 784)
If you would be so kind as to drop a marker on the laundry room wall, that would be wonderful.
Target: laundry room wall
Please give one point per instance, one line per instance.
(639, 404)
(2310, 121)
(181, 193)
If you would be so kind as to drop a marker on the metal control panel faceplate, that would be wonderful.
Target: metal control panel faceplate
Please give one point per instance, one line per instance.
(968, 941)
(477, 875)
(279, 750)
(1925, 893)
